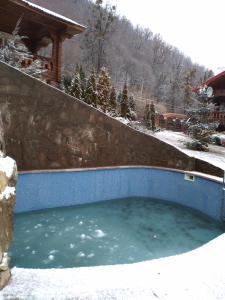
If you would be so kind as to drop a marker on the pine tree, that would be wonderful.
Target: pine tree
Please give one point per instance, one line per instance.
(112, 100)
(147, 116)
(91, 95)
(75, 88)
(132, 103)
(66, 83)
(124, 105)
(103, 89)
(132, 108)
(199, 128)
(83, 81)
(150, 116)
(119, 98)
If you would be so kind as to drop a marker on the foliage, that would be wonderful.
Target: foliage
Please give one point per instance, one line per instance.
(201, 136)
(98, 32)
(75, 88)
(124, 105)
(129, 52)
(189, 76)
(91, 95)
(112, 101)
(132, 103)
(66, 83)
(83, 81)
(132, 107)
(199, 128)
(150, 116)
(103, 89)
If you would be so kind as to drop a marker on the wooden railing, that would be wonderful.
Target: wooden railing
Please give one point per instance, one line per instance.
(46, 64)
(217, 116)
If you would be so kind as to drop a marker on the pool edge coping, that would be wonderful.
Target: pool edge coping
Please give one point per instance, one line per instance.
(195, 173)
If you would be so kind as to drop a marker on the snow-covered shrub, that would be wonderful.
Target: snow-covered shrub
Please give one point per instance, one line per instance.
(201, 136)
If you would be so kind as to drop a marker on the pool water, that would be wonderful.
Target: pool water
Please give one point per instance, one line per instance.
(110, 232)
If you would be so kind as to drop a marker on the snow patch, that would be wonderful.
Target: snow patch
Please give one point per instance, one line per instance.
(7, 193)
(7, 165)
(215, 156)
(122, 120)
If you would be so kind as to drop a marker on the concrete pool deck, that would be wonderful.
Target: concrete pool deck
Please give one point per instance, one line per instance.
(195, 275)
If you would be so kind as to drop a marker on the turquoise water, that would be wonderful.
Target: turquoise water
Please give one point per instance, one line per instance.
(111, 232)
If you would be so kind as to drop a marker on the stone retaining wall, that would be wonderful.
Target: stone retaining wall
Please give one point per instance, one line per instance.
(47, 129)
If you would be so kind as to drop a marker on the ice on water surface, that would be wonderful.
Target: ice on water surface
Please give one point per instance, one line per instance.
(111, 232)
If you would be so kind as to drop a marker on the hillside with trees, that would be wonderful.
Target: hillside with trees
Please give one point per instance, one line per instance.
(152, 68)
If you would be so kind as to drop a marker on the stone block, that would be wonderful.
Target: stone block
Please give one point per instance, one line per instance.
(4, 278)
(3, 181)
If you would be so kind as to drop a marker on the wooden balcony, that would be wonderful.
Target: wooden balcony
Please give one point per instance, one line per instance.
(47, 66)
(217, 116)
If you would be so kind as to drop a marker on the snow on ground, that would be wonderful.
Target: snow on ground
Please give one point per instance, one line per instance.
(215, 156)
(195, 275)
(123, 120)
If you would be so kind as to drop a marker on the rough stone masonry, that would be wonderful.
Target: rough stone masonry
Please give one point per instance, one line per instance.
(8, 173)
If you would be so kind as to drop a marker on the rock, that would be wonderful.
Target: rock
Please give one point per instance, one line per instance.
(7, 203)
(3, 181)
(4, 278)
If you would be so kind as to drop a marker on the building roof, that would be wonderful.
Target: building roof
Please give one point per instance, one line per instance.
(217, 81)
(35, 19)
(51, 14)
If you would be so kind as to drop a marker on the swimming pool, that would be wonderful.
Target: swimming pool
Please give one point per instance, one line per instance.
(44, 190)
(111, 232)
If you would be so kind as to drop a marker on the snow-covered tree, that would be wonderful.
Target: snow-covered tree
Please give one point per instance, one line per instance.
(132, 107)
(112, 101)
(66, 83)
(75, 88)
(91, 95)
(124, 105)
(103, 89)
(199, 128)
(83, 81)
(150, 116)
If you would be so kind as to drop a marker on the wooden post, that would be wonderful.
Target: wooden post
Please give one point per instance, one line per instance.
(56, 57)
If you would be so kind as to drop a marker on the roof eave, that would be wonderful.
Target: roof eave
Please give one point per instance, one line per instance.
(213, 79)
(73, 28)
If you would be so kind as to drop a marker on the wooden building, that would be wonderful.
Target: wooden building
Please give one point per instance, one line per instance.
(42, 28)
(216, 92)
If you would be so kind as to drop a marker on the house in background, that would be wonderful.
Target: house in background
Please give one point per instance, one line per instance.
(43, 28)
(215, 88)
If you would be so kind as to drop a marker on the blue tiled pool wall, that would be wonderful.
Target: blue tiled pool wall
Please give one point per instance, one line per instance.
(57, 189)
